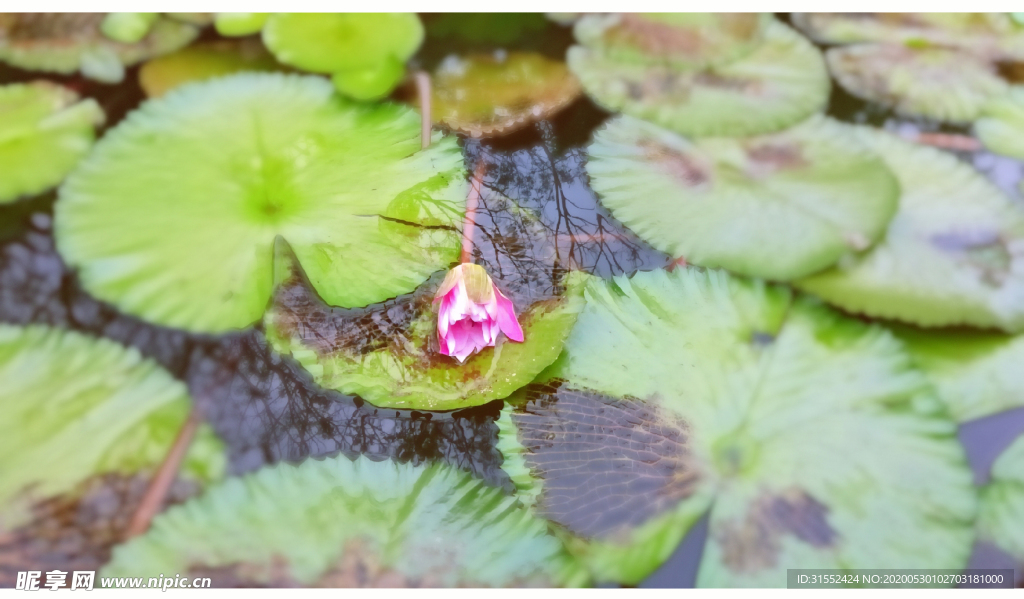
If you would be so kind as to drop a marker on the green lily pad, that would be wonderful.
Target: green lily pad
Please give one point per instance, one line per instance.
(1001, 126)
(976, 373)
(44, 131)
(344, 523)
(234, 24)
(69, 42)
(328, 43)
(779, 206)
(404, 368)
(938, 83)
(953, 254)
(203, 61)
(780, 83)
(371, 83)
(809, 436)
(992, 36)
(1001, 517)
(74, 407)
(484, 94)
(173, 217)
(694, 40)
(128, 27)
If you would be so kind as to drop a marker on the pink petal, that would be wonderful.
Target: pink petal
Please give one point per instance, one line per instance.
(507, 318)
(442, 316)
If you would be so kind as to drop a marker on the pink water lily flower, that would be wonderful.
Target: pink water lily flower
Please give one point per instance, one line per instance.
(472, 312)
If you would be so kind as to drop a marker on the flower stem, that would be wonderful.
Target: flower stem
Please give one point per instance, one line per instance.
(472, 201)
(158, 488)
(423, 89)
(948, 141)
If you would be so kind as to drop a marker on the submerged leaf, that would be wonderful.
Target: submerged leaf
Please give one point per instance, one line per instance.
(401, 366)
(953, 254)
(344, 523)
(68, 42)
(174, 216)
(1001, 517)
(684, 391)
(778, 206)
(1001, 126)
(200, 62)
(486, 27)
(683, 40)
(932, 82)
(485, 95)
(976, 373)
(781, 82)
(74, 407)
(44, 132)
(990, 35)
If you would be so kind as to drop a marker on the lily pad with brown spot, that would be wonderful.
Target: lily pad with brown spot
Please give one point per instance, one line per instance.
(778, 84)
(947, 85)
(778, 206)
(400, 365)
(953, 254)
(1001, 517)
(684, 40)
(484, 95)
(203, 61)
(73, 408)
(69, 42)
(798, 428)
(352, 523)
(993, 36)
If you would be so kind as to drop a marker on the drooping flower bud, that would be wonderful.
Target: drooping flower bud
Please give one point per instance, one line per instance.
(472, 312)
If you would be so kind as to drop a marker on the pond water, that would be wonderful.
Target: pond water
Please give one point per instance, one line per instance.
(266, 408)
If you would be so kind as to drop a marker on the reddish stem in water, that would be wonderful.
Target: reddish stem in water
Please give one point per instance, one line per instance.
(423, 89)
(158, 488)
(472, 201)
(948, 141)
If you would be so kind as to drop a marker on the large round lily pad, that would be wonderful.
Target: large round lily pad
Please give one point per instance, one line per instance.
(686, 40)
(69, 42)
(1001, 126)
(203, 61)
(809, 436)
(44, 131)
(989, 35)
(484, 94)
(74, 407)
(976, 373)
(938, 83)
(401, 365)
(344, 523)
(953, 254)
(173, 216)
(779, 206)
(781, 82)
(1001, 517)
